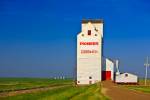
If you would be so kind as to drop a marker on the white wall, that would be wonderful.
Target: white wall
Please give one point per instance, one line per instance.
(129, 79)
(98, 26)
(110, 67)
(89, 64)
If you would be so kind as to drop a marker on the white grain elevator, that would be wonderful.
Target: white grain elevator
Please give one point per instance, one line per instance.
(89, 52)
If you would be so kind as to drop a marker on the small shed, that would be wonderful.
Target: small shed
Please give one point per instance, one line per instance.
(126, 78)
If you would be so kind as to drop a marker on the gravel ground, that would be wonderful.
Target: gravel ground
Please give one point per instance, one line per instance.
(115, 92)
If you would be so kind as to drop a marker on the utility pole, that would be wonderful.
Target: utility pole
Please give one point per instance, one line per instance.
(146, 64)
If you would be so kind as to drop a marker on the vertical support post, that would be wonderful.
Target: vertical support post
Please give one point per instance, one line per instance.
(145, 74)
(146, 65)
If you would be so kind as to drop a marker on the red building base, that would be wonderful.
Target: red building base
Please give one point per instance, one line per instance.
(106, 75)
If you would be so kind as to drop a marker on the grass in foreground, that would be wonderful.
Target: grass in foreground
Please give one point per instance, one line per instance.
(92, 92)
(11, 84)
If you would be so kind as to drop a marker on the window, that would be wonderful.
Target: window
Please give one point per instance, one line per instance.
(90, 77)
(95, 34)
(89, 32)
(78, 81)
(82, 34)
(126, 75)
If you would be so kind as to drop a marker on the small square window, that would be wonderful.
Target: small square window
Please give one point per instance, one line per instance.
(90, 77)
(95, 34)
(82, 34)
(126, 75)
(78, 81)
(89, 32)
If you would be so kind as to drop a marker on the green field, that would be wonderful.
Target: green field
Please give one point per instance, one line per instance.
(142, 82)
(141, 87)
(64, 89)
(11, 84)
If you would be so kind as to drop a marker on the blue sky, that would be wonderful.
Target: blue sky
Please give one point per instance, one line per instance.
(38, 37)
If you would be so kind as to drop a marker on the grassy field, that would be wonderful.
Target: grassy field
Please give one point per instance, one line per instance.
(142, 82)
(141, 87)
(11, 84)
(67, 92)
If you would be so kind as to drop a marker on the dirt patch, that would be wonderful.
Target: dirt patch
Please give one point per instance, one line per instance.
(115, 92)
(104, 90)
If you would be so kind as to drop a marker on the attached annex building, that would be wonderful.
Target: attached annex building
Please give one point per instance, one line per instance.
(126, 78)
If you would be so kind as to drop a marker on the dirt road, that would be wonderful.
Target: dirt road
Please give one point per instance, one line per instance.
(115, 92)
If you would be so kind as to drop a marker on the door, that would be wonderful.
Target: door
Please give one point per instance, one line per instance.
(106, 75)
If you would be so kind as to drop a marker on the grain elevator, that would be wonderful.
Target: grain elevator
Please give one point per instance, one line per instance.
(89, 52)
